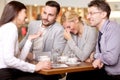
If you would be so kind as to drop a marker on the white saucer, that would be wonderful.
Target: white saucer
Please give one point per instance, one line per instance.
(73, 64)
(59, 65)
(61, 61)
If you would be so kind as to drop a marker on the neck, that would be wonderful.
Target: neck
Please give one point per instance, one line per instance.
(43, 26)
(99, 26)
(14, 21)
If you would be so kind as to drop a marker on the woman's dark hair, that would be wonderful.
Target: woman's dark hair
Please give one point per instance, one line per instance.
(10, 11)
(102, 5)
(54, 4)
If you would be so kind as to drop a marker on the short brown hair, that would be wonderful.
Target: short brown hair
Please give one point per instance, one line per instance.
(102, 5)
(53, 4)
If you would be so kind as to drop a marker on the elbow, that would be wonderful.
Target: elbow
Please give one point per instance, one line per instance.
(110, 61)
(9, 61)
(82, 58)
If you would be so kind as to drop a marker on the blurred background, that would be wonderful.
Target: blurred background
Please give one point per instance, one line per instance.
(35, 7)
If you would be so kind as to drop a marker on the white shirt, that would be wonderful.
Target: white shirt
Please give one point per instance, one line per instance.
(9, 49)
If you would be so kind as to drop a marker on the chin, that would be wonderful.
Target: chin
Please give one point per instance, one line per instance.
(45, 24)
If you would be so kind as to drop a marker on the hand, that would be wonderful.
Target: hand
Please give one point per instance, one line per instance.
(97, 64)
(88, 60)
(43, 65)
(67, 34)
(91, 58)
(31, 37)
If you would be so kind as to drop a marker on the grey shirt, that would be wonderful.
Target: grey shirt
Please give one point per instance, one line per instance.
(84, 45)
(52, 39)
(110, 47)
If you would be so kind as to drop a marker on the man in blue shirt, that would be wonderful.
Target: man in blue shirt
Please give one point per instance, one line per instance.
(107, 55)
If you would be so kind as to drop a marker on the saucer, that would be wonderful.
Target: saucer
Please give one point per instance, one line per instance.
(62, 61)
(73, 64)
(59, 65)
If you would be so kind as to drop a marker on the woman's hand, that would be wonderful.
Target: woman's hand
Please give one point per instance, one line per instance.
(91, 58)
(43, 65)
(67, 34)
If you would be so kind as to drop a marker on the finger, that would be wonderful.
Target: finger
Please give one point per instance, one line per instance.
(68, 30)
(94, 65)
(101, 66)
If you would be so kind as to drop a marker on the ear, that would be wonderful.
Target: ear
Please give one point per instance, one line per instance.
(104, 14)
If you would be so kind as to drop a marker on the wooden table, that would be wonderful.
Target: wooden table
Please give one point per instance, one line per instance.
(82, 67)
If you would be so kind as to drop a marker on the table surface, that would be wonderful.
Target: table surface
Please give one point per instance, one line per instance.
(81, 67)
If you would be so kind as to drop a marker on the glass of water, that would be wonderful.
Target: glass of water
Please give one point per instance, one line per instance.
(56, 53)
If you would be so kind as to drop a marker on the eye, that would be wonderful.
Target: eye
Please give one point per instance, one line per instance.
(71, 20)
(68, 27)
(44, 12)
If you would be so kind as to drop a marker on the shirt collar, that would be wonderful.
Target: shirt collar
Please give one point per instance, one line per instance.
(104, 26)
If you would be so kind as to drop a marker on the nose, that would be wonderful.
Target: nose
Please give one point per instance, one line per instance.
(66, 25)
(46, 16)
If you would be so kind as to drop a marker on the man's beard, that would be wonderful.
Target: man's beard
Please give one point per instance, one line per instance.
(46, 24)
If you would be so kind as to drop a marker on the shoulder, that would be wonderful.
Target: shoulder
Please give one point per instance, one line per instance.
(91, 29)
(35, 22)
(58, 26)
(112, 25)
(9, 27)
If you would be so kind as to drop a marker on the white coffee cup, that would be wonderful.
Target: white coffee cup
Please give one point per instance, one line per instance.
(63, 58)
(44, 58)
(72, 60)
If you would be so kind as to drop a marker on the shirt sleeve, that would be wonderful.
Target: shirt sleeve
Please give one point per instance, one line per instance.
(111, 43)
(25, 50)
(84, 52)
(59, 41)
(10, 40)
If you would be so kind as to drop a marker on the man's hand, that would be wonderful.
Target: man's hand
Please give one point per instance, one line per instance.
(97, 64)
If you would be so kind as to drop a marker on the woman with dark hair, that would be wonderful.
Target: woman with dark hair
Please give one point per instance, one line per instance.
(12, 64)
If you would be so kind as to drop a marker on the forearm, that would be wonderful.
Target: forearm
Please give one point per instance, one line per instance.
(25, 50)
(82, 55)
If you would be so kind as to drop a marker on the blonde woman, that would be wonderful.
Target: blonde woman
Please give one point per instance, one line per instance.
(81, 38)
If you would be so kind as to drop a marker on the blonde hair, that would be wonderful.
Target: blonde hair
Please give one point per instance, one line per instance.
(68, 15)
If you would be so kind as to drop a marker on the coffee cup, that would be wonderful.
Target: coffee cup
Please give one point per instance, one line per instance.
(72, 60)
(63, 58)
(44, 58)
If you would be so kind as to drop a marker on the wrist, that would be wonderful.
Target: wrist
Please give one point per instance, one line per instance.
(37, 68)
(69, 38)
